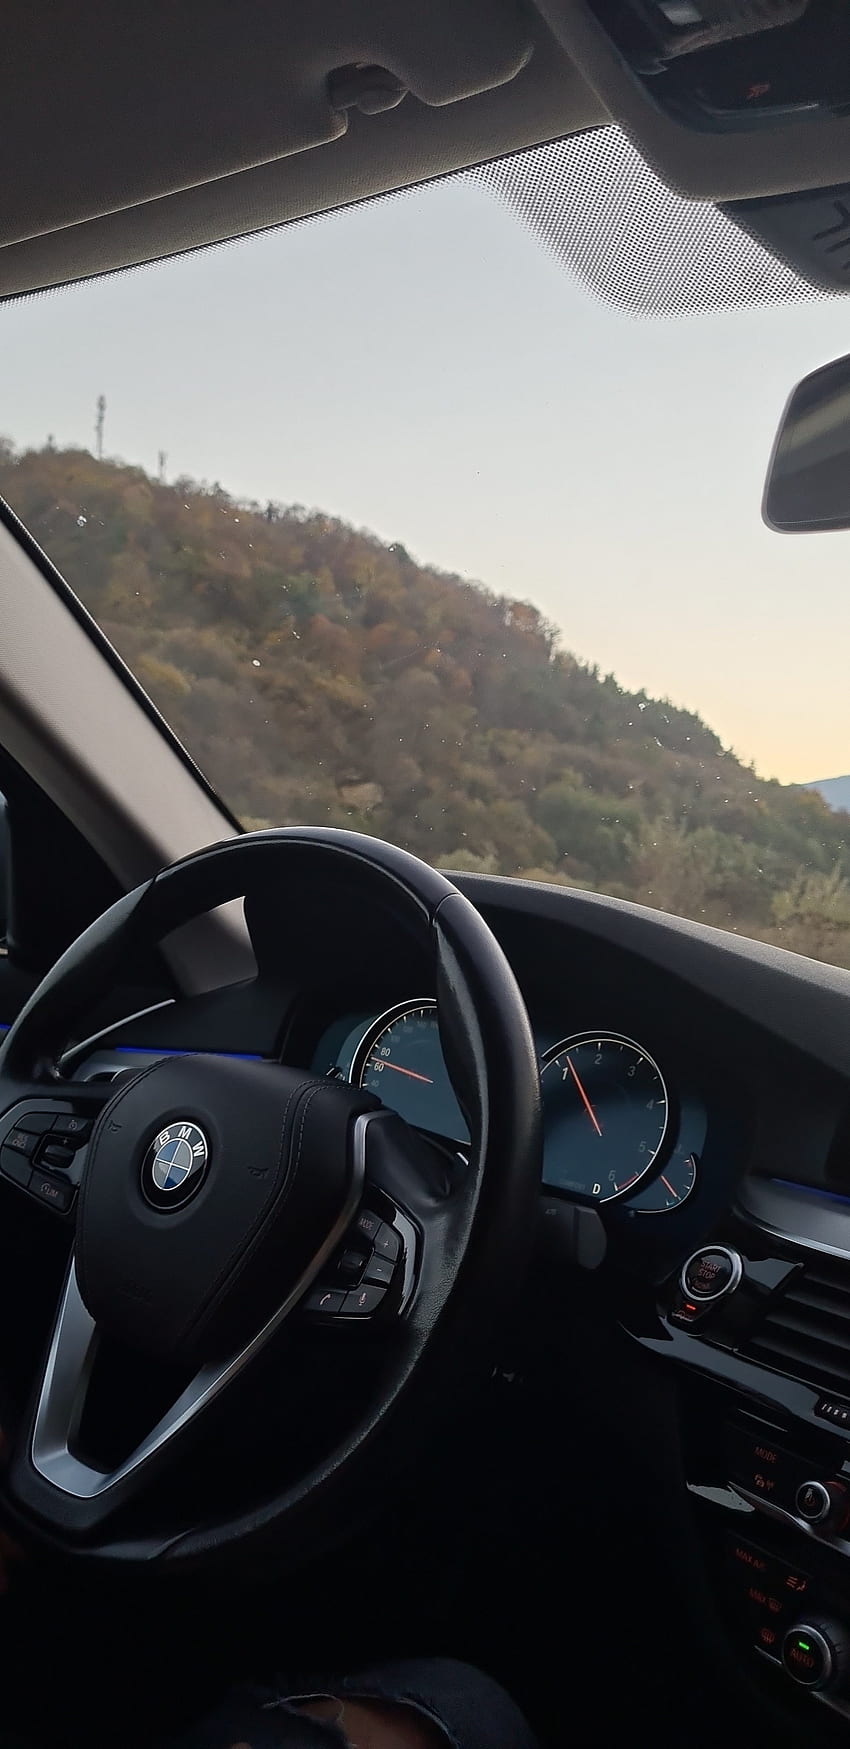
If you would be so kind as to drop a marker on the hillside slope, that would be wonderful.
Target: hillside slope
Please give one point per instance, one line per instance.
(320, 675)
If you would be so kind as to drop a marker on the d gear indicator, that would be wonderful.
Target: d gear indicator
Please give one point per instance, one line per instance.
(606, 1115)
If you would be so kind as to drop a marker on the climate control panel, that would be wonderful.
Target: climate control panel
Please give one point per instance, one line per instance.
(773, 1502)
(793, 1617)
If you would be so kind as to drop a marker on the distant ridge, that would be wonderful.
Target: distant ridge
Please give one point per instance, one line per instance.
(835, 791)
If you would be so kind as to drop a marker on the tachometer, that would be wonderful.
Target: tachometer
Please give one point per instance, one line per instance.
(400, 1059)
(605, 1115)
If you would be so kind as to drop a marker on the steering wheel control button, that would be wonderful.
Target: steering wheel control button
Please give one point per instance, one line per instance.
(16, 1167)
(387, 1242)
(175, 1165)
(57, 1192)
(329, 1300)
(20, 1142)
(815, 1654)
(36, 1122)
(379, 1270)
(351, 1266)
(54, 1154)
(368, 1225)
(710, 1274)
(76, 1130)
(363, 1301)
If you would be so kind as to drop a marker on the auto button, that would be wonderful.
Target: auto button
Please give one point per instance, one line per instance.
(815, 1654)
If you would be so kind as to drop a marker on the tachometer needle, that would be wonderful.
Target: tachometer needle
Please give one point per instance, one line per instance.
(585, 1101)
(381, 1063)
(668, 1186)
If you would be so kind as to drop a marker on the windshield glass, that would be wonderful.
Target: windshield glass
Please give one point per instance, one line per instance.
(405, 530)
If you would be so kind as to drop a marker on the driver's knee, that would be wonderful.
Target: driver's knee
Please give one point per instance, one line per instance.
(378, 1724)
(468, 1708)
(408, 1704)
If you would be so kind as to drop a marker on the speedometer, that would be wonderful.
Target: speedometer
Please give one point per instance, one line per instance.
(605, 1115)
(400, 1059)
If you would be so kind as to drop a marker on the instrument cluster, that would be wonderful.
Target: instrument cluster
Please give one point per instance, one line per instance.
(614, 1129)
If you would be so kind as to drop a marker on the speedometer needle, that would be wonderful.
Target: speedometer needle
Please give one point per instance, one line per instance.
(381, 1063)
(585, 1101)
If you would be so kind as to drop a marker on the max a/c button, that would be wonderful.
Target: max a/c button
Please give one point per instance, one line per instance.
(751, 1563)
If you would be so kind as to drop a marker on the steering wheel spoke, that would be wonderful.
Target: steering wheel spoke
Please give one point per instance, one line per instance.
(90, 1492)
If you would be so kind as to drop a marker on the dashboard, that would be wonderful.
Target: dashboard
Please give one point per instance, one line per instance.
(678, 1063)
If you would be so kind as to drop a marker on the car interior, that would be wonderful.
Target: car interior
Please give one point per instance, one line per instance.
(396, 1260)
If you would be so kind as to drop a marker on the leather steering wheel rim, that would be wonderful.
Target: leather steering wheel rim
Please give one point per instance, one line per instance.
(479, 1226)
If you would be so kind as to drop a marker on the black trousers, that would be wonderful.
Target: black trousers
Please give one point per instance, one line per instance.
(471, 1709)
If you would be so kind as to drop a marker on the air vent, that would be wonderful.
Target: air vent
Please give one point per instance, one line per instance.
(806, 1331)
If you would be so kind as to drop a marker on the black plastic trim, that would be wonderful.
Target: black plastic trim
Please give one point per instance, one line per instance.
(46, 568)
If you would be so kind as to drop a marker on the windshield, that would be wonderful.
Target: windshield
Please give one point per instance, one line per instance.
(405, 530)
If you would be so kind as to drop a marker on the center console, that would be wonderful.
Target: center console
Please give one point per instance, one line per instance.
(758, 1320)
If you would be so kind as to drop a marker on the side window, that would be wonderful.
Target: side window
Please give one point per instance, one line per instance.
(52, 884)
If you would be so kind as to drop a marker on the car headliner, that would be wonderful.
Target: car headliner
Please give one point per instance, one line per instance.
(136, 132)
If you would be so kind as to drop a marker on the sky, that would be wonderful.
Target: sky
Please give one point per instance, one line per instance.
(425, 368)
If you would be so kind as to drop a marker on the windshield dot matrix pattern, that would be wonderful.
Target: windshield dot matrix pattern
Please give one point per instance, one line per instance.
(606, 216)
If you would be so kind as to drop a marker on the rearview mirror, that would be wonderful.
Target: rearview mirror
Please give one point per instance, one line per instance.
(808, 477)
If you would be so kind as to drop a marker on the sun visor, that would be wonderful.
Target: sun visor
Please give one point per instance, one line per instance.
(106, 106)
(134, 134)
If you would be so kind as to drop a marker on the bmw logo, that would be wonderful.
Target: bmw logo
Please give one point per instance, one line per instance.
(175, 1165)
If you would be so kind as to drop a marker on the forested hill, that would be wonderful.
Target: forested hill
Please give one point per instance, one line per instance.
(320, 675)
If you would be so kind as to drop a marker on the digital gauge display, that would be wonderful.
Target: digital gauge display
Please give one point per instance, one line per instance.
(670, 1189)
(606, 1115)
(400, 1059)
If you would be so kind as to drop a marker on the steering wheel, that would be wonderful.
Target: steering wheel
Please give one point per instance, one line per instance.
(211, 1202)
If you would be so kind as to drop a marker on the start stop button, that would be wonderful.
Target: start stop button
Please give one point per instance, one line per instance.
(711, 1273)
